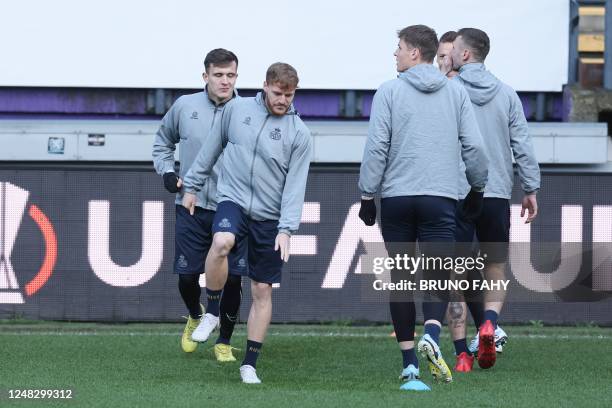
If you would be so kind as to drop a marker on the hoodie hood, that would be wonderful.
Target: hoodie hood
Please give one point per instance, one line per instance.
(424, 77)
(480, 84)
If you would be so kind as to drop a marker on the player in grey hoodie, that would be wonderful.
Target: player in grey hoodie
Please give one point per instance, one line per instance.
(262, 182)
(501, 120)
(420, 126)
(188, 123)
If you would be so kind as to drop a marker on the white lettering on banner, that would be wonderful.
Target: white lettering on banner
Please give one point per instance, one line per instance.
(353, 233)
(602, 258)
(307, 244)
(98, 248)
(571, 255)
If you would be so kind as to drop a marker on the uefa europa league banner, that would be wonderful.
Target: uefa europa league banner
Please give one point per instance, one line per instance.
(97, 244)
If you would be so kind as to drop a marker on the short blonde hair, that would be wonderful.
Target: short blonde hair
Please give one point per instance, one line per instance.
(283, 75)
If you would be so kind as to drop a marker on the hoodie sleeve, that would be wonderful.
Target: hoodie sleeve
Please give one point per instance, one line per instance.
(522, 147)
(376, 150)
(209, 153)
(472, 145)
(166, 139)
(295, 183)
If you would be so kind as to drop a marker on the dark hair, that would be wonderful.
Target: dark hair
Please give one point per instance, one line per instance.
(448, 37)
(477, 41)
(220, 57)
(421, 37)
(284, 75)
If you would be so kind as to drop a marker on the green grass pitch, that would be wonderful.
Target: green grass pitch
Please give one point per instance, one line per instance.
(133, 365)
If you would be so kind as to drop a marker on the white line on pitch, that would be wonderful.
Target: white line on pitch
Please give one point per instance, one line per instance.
(291, 334)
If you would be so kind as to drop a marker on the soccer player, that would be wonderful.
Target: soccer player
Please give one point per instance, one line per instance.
(420, 125)
(266, 155)
(457, 308)
(443, 58)
(500, 117)
(188, 122)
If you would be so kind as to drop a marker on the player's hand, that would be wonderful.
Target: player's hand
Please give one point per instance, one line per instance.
(283, 242)
(447, 65)
(367, 212)
(472, 206)
(172, 182)
(530, 204)
(189, 202)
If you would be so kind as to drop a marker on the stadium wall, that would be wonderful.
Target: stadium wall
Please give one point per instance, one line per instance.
(95, 243)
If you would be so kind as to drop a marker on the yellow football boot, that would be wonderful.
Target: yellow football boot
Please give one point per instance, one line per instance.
(187, 344)
(223, 353)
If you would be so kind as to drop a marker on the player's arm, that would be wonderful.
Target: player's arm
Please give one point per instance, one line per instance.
(164, 147)
(375, 154)
(524, 156)
(204, 162)
(474, 158)
(294, 191)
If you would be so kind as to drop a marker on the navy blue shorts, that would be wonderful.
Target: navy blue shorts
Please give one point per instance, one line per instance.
(265, 264)
(491, 229)
(430, 220)
(192, 240)
(418, 218)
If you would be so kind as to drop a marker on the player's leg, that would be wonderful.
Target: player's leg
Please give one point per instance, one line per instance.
(192, 240)
(457, 315)
(457, 309)
(228, 226)
(265, 269)
(257, 327)
(493, 230)
(231, 299)
(475, 303)
(229, 311)
(436, 236)
(399, 233)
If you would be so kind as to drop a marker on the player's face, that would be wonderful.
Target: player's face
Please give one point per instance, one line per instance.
(444, 49)
(459, 54)
(220, 81)
(278, 98)
(404, 56)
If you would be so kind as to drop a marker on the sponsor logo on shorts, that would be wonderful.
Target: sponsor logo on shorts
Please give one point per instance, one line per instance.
(247, 121)
(242, 263)
(194, 115)
(224, 223)
(275, 134)
(182, 262)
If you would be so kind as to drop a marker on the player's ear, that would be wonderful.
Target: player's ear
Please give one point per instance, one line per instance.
(205, 76)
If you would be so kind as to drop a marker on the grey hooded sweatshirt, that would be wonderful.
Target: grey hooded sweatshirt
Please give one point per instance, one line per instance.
(265, 163)
(189, 121)
(503, 126)
(420, 126)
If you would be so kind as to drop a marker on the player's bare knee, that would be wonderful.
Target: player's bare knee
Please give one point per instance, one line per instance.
(261, 292)
(222, 244)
